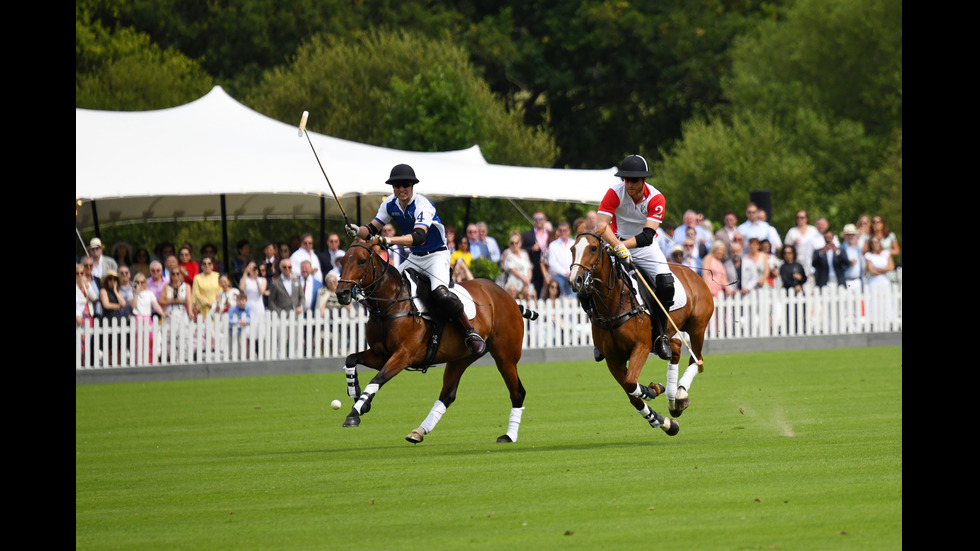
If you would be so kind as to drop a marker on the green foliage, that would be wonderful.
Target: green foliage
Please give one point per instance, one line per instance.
(816, 103)
(839, 58)
(433, 112)
(123, 68)
(357, 88)
(800, 97)
(485, 268)
(717, 165)
(611, 77)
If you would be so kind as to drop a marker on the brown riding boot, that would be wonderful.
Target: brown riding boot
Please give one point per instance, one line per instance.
(474, 341)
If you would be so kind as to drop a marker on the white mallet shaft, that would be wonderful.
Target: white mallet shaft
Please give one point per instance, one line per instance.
(302, 123)
(671, 320)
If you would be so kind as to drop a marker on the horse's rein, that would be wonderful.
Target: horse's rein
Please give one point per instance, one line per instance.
(622, 313)
(368, 290)
(590, 271)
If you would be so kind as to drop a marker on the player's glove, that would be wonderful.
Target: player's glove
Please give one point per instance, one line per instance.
(352, 230)
(624, 255)
(384, 242)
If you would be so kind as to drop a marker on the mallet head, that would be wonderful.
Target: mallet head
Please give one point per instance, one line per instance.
(302, 123)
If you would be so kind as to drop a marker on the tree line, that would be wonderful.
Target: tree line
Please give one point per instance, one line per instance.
(802, 98)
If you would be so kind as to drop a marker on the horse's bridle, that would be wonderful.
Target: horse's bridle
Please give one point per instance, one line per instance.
(377, 268)
(589, 280)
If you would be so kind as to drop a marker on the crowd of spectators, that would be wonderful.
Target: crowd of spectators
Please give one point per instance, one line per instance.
(736, 258)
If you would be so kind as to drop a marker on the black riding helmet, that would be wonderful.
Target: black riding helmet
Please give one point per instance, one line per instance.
(634, 166)
(402, 173)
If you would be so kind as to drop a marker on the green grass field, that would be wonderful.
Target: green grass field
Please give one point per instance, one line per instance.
(779, 450)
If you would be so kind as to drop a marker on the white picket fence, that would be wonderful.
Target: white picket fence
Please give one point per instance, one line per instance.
(137, 342)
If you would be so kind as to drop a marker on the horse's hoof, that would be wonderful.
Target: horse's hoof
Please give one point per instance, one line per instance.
(657, 389)
(503, 439)
(681, 402)
(679, 407)
(670, 426)
(353, 420)
(597, 355)
(414, 437)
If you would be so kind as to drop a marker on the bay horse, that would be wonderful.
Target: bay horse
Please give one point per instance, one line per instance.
(622, 331)
(400, 338)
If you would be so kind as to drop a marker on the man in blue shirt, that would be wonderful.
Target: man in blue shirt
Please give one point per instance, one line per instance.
(425, 236)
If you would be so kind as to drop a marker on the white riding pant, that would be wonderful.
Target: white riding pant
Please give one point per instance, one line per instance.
(435, 265)
(651, 259)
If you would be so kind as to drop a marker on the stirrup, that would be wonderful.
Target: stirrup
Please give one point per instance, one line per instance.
(475, 343)
(662, 347)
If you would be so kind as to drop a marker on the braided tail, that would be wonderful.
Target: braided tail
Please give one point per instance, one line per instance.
(528, 313)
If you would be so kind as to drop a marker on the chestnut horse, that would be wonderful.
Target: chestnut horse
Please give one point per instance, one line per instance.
(399, 337)
(622, 332)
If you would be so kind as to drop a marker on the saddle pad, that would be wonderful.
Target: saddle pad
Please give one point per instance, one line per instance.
(680, 294)
(469, 305)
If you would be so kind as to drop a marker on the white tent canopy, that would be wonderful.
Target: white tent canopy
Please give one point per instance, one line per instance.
(179, 163)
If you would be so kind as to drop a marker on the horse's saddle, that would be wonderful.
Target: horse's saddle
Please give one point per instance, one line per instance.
(419, 289)
(644, 297)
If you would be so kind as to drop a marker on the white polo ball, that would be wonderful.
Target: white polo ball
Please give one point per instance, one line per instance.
(335, 404)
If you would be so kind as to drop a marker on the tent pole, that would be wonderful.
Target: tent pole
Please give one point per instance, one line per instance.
(323, 222)
(224, 234)
(95, 220)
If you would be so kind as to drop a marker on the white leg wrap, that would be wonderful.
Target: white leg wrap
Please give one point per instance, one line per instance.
(514, 424)
(351, 381)
(369, 391)
(650, 415)
(429, 424)
(688, 377)
(636, 391)
(671, 381)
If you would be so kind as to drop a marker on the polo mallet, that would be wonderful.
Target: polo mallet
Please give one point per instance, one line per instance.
(677, 329)
(302, 132)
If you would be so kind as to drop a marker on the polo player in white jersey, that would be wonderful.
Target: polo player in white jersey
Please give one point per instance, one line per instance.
(425, 235)
(628, 218)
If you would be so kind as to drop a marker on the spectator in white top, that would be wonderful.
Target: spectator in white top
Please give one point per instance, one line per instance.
(100, 262)
(754, 226)
(560, 257)
(803, 237)
(305, 252)
(487, 242)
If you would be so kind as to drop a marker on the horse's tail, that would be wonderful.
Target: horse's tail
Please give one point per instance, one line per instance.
(528, 313)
